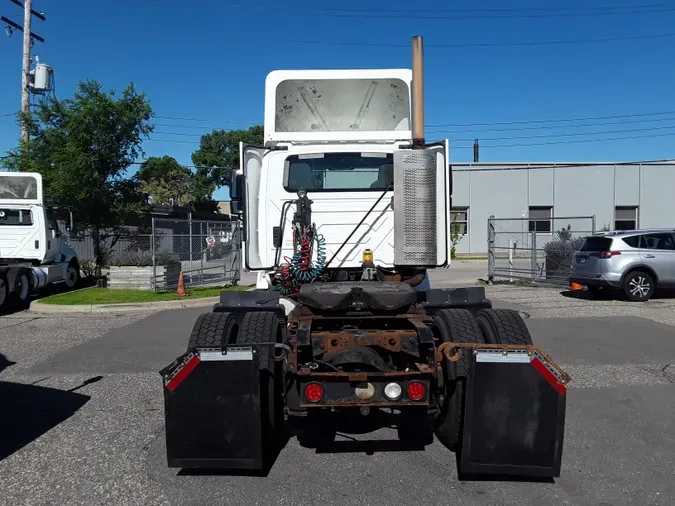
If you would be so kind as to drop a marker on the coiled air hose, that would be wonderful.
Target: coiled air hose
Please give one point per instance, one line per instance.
(300, 269)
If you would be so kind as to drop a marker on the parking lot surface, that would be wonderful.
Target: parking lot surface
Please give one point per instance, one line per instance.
(81, 418)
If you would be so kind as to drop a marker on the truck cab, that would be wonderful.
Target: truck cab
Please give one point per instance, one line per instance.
(332, 134)
(33, 250)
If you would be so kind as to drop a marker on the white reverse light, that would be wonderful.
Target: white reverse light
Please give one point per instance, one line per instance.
(392, 391)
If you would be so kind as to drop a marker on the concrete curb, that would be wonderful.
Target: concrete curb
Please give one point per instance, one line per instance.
(41, 308)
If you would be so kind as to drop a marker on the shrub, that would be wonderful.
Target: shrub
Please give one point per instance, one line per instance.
(559, 255)
(135, 259)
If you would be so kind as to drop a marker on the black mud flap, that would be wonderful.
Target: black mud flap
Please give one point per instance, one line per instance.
(514, 417)
(212, 404)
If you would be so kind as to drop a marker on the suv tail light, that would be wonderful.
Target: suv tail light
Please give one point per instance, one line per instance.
(605, 254)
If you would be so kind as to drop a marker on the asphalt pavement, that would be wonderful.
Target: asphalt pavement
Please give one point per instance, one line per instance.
(81, 418)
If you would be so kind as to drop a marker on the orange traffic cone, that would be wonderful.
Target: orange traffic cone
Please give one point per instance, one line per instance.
(180, 292)
(576, 286)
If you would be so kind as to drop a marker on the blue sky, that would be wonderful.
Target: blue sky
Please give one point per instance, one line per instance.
(488, 73)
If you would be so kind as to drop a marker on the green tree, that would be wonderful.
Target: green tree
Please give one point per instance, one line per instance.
(164, 179)
(202, 189)
(218, 154)
(83, 147)
(456, 235)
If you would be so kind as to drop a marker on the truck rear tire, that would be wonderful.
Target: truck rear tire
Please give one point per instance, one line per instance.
(4, 291)
(459, 326)
(259, 327)
(19, 282)
(503, 326)
(213, 330)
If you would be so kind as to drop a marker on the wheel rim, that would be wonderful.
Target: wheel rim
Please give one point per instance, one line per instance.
(71, 277)
(23, 287)
(639, 286)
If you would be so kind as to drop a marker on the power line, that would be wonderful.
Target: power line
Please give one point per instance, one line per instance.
(464, 125)
(534, 166)
(543, 127)
(574, 141)
(460, 45)
(573, 134)
(449, 14)
(467, 45)
(559, 120)
(210, 121)
(438, 128)
(514, 10)
(478, 14)
(519, 167)
(484, 146)
(530, 136)
(386, 13)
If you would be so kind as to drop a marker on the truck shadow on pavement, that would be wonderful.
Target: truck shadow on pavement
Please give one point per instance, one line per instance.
(30, 411)
(12, 305)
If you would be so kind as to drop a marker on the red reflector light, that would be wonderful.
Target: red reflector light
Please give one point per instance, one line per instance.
(313, 392)
(183, 373)
(416, 390)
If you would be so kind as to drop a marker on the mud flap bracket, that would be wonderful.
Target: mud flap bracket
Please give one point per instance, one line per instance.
(514, 415)
(212, 404)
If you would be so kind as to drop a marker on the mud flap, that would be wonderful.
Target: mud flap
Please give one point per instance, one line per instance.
(212, 404)
(514, 416)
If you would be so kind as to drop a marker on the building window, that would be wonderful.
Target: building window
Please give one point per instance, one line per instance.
(540, 219)
(625, 218)
(460, 216)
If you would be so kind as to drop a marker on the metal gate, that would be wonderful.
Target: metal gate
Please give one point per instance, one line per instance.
(535, 249)
(207, 252)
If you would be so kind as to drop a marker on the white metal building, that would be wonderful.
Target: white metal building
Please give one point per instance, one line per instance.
(620, 195)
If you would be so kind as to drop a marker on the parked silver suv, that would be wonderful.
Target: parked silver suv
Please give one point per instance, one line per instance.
(636, 262)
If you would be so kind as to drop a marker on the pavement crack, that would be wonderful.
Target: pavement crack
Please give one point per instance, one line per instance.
(17, 324)
(40, 380)
(660, 373)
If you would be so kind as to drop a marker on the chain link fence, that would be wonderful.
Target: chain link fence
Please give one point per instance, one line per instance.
(535, 249)
(131, 246)
(207, 252)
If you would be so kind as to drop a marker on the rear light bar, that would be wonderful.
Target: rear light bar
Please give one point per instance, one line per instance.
(337, 393)
(605, 254)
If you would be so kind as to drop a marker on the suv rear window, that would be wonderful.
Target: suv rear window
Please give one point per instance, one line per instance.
(633, 242)
(596, 244)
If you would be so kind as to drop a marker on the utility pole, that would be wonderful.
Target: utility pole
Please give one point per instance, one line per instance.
(25, 74)
(28, 37)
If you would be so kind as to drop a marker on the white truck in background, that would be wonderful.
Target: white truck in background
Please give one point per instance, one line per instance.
(33, 251)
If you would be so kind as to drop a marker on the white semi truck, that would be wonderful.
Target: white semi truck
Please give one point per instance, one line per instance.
(344, 209)
(33, 250)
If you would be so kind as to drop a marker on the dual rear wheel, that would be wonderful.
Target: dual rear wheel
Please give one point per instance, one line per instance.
(487, 326)
(214, 330)
(15, 286)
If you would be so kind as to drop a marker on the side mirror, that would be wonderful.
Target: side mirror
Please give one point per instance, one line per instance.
(237, 191)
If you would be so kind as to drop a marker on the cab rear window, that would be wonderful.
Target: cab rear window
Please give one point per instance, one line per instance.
(16, 217)
(596, 244)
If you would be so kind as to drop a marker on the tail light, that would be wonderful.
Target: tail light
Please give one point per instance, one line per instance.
(605, 254)
(416, 390)
(313, 392)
